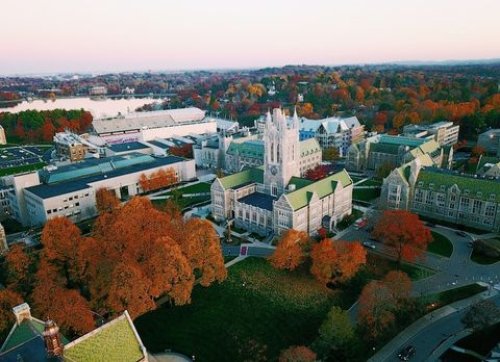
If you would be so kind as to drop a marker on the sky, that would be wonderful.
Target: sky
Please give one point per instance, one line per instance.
(135, 35)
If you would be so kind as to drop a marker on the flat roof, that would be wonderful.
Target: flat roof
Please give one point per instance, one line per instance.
(257, 199)
(131, 146)
(46, 191)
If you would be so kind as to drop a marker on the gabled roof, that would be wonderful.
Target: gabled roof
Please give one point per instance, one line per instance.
(114, 341)
(478, 188)
(301, 197)
(250, 148)
(243, 177)
(309, 146)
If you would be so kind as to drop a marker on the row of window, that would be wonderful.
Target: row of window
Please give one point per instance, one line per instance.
(61, 208)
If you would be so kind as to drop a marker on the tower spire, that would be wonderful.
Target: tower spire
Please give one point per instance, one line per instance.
(52, 339)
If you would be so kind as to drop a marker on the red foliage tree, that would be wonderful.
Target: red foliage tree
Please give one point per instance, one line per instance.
(106, 200)
(375, 314)
(404, 232)
(297, 354)
(48, 131)
(18, 264)
(317, 173)
(185, 151)
(8, 300)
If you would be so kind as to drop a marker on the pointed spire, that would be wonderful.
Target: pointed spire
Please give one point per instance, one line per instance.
(52, 339)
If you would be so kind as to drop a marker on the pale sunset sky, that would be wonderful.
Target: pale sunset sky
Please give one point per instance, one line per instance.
(124, 35)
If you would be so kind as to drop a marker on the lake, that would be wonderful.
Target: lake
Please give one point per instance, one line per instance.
(98, 107)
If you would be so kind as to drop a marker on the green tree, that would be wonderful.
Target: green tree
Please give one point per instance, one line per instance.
(336, 332)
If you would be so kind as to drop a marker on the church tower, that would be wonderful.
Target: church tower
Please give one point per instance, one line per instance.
(281, 151)
(53, 344)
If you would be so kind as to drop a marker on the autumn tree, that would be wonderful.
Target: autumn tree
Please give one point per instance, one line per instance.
(297, 354)
(399, 285)
(18, 265)
(201, 245)
(405, 232)
(8, 300)
(478, 151)
(106, 200)
(129, 290)
(291, 250)
(61, 239)
(336, 261)
(375, 314)
(317, 173)
(52, 299)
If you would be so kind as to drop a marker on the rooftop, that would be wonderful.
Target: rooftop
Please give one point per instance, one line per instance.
(131, 146)
(257, 199)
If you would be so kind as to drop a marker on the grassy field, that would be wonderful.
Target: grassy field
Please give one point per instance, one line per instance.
(257, 311)
(196, 188)
(365, 194)
(440, 245)
(379, 266)
(371, 182)
(20, 169)
(453, 295)
(183, 202)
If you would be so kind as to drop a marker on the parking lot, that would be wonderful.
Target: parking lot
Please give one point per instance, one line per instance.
(23, 155)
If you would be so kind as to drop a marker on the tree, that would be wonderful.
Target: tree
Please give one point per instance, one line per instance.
(201, 245)
(336, 331)
(478, 151)
(404, 232)
(384, 170)
(61, 239)
(290, 252)
(336, 261)
(481, 315)
(48, 131)
(317, 173)
(106, 200)
(168, 271)
(18, 264)
(375, 314)
(129, 290)
(8, 300)
(297, 354)
(331, 154)
(399, 285)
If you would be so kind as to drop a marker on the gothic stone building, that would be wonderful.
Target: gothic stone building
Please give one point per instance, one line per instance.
(273, 197)
(442, 195)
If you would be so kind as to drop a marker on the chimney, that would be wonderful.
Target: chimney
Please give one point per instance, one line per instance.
(52, 339)
(22, 312)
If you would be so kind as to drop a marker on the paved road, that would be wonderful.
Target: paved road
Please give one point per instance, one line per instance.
(435, 335)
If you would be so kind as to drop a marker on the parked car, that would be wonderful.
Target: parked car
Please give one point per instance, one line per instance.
(461, 233)
(369, 244)
(406, 353)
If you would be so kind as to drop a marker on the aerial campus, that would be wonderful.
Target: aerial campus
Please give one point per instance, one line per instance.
(167, 204)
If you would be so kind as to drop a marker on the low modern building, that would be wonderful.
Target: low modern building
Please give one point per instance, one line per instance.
(146, 126)
(490, 141)
(394, 151)
(445, 133)
(333, 132)
(32, 339)
(274, 198)
(444, 195)
(70, 190)
(73, 147)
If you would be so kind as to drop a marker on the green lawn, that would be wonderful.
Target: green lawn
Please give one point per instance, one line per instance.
(484, 254)
(196, 188)
(452, 295)
(371, 182)
(183, 202)
(20, 169)
(257, 311)
(365, 194)
(379, 266)
(440, 245)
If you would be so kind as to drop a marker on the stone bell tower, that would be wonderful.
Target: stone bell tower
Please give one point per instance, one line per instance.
(52, 339)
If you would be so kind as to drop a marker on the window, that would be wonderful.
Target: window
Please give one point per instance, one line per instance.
(274, 189)
(49, 211)
(77, 204)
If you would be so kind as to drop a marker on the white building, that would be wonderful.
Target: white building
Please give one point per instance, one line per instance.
(333, 132)
(70, 190)
(445, 133)
(145, 126)
(273, 198)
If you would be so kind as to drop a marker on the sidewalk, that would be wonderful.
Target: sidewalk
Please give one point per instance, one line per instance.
(395, 344)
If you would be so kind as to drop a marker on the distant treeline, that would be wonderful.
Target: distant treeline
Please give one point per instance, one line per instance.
(40, 126)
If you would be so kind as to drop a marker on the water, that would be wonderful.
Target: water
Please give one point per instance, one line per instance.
(98, 107)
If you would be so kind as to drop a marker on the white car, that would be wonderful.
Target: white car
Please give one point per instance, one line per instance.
(368, 244)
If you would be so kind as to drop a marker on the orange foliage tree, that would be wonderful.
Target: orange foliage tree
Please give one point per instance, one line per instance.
(291, 250)
(18, 264)
(297, 354)
(106, 200)
(399, 285)
(8, 300)
(157, 180)
(336, 261)
(375, 314)
(405, 232)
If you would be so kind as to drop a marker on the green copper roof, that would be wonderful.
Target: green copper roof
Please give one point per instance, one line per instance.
(401, 141)
(300, 198)
(24, 332)
(385, 148)
(251, 148)
(240, 178)
(114, 341)
(478, 188)
(309, 146)
(300, 182)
